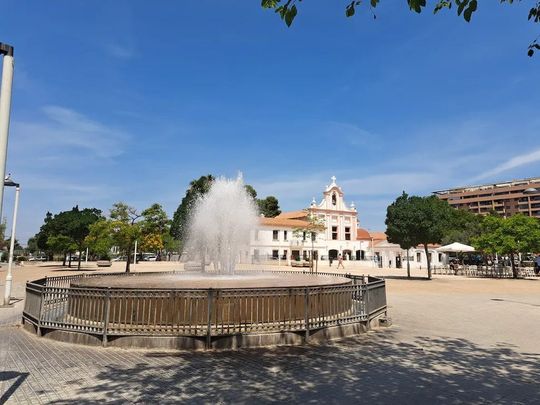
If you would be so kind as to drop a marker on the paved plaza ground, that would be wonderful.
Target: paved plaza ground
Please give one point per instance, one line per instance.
(453, 340)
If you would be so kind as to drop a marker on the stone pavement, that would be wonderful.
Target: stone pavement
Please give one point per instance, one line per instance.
(453, 341)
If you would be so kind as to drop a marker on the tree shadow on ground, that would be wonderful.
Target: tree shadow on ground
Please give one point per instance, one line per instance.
(13, 380)
(412, 278)
(372, 368)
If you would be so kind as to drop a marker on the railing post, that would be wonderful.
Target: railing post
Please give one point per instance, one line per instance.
(40, 314)
(106, 312)
(306, 313)
(209, 323)
(366, 305)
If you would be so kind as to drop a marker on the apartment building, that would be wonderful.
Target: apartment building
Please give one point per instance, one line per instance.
(508, 198)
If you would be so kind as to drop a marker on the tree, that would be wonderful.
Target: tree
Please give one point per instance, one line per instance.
(419, 221)
(100, 240)
(78, 227)
(251, 191)
(269, 206)
(197, 188)
(313, 227)
(66, 231)
(32, 246)
(464, 226)
(61, 244)
(509, 236)
(125, 229)
(398, 222)
(287, 10)
(154, 227)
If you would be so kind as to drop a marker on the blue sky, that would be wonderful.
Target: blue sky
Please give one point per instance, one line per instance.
(130, 100)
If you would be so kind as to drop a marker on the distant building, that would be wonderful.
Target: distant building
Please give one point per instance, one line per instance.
(278, 238)
(508, 198)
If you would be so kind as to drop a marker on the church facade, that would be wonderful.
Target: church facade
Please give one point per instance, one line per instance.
(288, 237)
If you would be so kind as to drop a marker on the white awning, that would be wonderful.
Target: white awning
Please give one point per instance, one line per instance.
(456, 247)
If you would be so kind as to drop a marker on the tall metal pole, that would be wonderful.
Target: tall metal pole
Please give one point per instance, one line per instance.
(5, 109)
(9, 278)
(135, 253)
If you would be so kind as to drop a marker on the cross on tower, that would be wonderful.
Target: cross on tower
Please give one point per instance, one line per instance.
(333, 178)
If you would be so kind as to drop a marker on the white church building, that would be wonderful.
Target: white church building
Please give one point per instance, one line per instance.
(282, 238)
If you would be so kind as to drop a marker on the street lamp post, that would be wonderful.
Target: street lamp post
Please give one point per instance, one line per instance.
(5, 109)
(9, 278)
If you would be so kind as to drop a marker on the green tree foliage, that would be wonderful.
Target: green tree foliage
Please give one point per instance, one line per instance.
(509, 236)
(251, 191)
(100, 240)
(269, 206)
(287, 10)
(73, 225)
(464, 226)
(125, 229)
(32, 246)
(197, 188)
(414, 221)
(61, 244)
(154, 228)
(399, 220)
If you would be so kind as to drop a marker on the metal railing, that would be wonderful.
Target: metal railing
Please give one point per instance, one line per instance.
(52, 303)
(484, 271)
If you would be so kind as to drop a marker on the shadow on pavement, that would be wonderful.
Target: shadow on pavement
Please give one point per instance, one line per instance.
(5, 377)
(372, 368)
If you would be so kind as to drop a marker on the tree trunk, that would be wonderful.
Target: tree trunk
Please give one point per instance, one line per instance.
(428, 261)
(128, 260)
(80, 255)
(64, 261)
(514, 270)
(69, 262)
(408, 265)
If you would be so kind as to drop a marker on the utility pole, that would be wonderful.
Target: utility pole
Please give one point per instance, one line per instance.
(5, 110)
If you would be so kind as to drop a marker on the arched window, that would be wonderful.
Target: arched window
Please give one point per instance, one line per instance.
(334, 200)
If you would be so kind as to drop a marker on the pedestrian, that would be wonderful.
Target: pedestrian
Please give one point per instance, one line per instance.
(537, 265)
(330, 260)
(340, 262)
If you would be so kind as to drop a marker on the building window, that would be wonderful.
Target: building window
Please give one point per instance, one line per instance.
(334, 199)
(284, 257)
(418, 257)
(334, 233)
(440, 257)
(347, 233)
(285, 236)
(303, 236)
(275, 235)
(429, 257)
(275, 254)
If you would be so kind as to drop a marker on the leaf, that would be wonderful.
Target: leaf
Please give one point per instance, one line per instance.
(349, 10)
(374, 3)
(461, 5)
(289, 16)
(471, 9)
(269, 3)
(416, 5)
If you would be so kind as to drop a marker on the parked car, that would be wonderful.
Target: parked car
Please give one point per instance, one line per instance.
(149, 258)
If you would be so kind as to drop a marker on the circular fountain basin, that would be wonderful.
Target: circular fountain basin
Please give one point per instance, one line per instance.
(206, 281)
(167, 300)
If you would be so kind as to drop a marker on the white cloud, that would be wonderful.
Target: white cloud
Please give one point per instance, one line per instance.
(512, 163)
(64, 129)
(119, 51)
